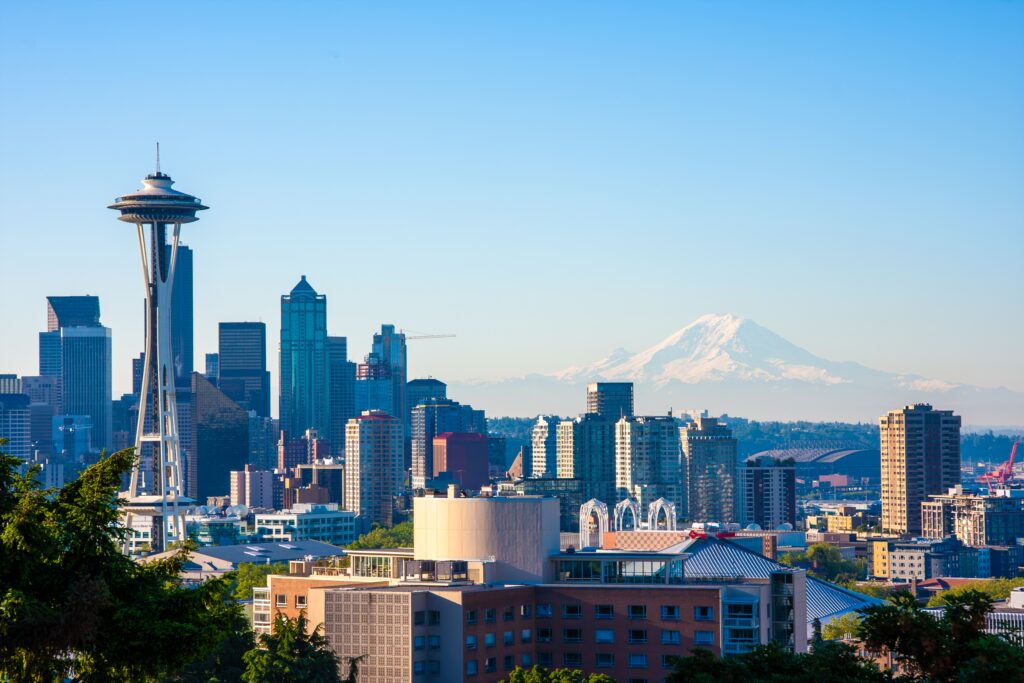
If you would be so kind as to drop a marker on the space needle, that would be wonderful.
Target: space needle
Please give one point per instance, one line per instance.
(155, 492)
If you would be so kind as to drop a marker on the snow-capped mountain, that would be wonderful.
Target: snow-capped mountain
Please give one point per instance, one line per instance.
(730, 364)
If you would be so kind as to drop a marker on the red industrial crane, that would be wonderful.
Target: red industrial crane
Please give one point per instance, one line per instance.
(1003, 474)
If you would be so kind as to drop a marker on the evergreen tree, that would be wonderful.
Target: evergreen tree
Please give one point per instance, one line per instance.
(290, 655)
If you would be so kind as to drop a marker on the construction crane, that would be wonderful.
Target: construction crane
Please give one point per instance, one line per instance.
(1003, 474)
(409, 336)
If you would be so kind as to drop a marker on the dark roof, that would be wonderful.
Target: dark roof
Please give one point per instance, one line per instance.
(270, 553)
(72, 311)
(303, 288)
(814, 455)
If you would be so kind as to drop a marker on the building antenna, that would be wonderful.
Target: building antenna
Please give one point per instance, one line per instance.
(158, 158)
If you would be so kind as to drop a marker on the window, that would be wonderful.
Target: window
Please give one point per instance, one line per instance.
(510, 614)
(300, 601)
(668, 661)
(508, 662)
(490, 664)
(526, 635)
(544, 635)
(434, 642)
(605, 660)
(526, 660)
(471, 667)
(544, 610)
(509, 638)
(604, 635)
(670, 612)
(471, 616)
(544, 659)
(703, 637)
(573, 659)
(419, 617)
(739, 611)
(638, 680)
(703, 613)
(417, 643)
(638, 611)
(638, 660)
(433, 617)
(419, 667)
(670, 638)
(604, 612)
(280, 600)
(638, 635)
(572, 611)
(490, 640)
(572, 635)
(470, 642)
(490, 614)
(434, 666)
(525, 611)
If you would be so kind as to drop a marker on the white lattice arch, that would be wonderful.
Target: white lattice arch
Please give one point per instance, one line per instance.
(590, 510)
(656, 508)
(624, 506)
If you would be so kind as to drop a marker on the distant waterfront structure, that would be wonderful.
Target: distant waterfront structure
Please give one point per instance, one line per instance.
(242, 365)
(76, 348)
(711, 461)
(155, 492)
(610, 400)
(305, 379)
(767, 493)
(374, 442)
(920, 457)
(544, 442)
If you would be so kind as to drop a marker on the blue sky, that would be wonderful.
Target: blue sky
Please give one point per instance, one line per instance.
(548, 181)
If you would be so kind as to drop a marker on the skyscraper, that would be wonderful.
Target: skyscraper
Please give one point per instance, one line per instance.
(920, 457)
(544, 440)
(375, 386)
(767, 493)
(242, 365)
(647, 461)
(220, 439)
(77, 349)
(610, 400)
(182, 335)
(305, 380)
(586, 451)
(374, 442)
(418, 390)
(343, 399)
(15, 425)
(433, 417)
(389, 346)
(710, 452)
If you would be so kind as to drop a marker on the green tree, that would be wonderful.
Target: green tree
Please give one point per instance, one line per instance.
(824, 561)
(841, 628)
(872, 588)
(248, 576)
(828, 662)
(290, 655)
(538, 674)
(398, 536)
(941, 649)
(226, 663)
(73, 605)
(995, 589)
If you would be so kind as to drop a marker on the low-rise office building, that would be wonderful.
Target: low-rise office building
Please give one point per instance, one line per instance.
(308, 522)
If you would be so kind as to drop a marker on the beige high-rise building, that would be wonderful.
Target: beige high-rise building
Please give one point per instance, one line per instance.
(920, 457)
(374, 446)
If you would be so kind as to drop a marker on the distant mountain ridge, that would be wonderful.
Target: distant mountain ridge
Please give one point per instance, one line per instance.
(731, 364)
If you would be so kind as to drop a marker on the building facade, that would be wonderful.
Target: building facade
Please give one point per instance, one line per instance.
(305, 379)
(432, 417)
(461, 458)
(647, 461)
(220, 439)
(252, 487)
(242, 365)
(308, 522)
(920, 457)
(586, 450)
(15, 425)
(976, 520)
(610, 400)
(343, 397)
(544, 446)
(767, 493)
(711, 464)
(373, 466)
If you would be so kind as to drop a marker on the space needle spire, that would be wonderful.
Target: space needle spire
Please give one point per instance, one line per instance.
(155, 496)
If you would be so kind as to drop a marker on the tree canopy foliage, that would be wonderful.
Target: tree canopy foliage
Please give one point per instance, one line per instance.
(248, 576)
(995, 589)
(398, 536)
(72, 604)
(291, 655)
(538, 674)
(824, 561)
(827, 662)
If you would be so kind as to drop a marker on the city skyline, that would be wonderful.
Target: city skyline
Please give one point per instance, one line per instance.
(766, 166)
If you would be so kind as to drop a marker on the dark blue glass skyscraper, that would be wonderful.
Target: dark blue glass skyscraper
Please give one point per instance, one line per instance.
(305, 377)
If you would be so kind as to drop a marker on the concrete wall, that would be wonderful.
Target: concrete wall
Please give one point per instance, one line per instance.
(520, 533)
